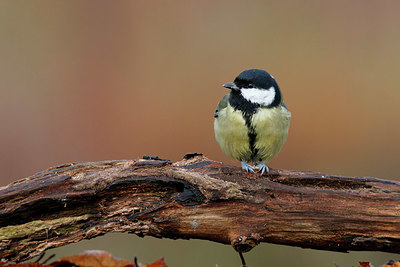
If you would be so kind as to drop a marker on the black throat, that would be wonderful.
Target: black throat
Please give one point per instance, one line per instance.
(238, 102)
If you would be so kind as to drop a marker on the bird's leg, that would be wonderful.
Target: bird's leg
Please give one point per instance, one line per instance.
(247, 167)
(262, 167)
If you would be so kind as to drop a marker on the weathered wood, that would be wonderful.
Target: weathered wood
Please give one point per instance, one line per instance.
(197, 198)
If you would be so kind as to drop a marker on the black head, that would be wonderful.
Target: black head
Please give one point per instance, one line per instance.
(254, 88)
(255, 78)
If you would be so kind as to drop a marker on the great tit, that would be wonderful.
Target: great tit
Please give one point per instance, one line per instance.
(251, 122)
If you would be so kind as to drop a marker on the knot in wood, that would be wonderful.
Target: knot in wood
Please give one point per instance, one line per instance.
(244, 243)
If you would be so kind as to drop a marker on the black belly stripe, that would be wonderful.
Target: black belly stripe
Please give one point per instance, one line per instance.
(248, 109)
(252, 136)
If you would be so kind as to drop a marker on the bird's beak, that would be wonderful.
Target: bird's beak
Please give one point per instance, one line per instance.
(231, 86)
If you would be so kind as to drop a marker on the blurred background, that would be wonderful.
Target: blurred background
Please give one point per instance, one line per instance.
(99, 80)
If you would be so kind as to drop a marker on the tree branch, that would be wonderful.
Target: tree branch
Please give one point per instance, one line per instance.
(197, 198)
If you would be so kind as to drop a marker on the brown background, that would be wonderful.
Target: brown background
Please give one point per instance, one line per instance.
(96, 80)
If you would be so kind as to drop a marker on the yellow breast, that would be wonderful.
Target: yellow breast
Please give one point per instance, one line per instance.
(231, 133)
(270, 125)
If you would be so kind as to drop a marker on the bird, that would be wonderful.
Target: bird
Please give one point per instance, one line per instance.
(251, 122)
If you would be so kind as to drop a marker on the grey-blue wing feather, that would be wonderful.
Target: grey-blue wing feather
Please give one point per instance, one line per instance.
(221, 105)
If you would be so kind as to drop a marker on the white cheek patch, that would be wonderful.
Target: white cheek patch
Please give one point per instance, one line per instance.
(263, 97)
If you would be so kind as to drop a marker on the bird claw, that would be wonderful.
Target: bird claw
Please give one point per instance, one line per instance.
(247, 167)
(262, 167)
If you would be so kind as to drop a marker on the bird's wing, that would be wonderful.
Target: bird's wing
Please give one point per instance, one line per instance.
(221, 105)
(284, 105)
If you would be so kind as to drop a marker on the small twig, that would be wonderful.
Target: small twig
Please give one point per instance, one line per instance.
(40, 257)
(46, 260)
(49, 258)
(242, 259)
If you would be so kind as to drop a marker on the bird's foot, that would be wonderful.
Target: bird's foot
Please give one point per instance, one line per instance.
(262, 167)
(247, 167)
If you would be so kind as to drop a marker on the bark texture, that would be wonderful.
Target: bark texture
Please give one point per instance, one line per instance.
(197, 198)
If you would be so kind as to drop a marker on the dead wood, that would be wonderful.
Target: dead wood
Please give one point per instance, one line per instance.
(197, 198)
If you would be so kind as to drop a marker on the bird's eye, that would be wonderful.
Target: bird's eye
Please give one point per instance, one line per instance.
(251, 85)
